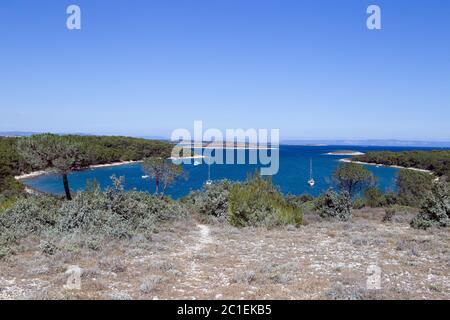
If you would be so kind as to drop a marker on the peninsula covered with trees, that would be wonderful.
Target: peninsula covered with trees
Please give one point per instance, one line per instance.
(24, 155)
(437, 161)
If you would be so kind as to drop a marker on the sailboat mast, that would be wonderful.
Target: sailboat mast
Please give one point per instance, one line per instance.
(310, 168)
(209, 171)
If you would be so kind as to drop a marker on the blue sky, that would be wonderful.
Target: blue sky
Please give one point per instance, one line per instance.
(310, 68)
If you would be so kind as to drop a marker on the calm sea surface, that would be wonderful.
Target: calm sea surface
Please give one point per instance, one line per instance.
(291, 178)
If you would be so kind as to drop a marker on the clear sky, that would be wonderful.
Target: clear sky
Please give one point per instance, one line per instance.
(310, 68)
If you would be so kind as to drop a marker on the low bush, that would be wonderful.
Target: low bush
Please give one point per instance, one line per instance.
(389, 214)
(116, 213)
(256, 202)
(413, 186)
(298, 201)
(112, 213)
(435, 210)
(30, 214)
(212, 201)
(335, 205)
(359, 204)
(374, 198)
(398, 213)
(391, 198)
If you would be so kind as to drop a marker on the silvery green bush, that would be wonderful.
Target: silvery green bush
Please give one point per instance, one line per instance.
(30, 214)
(335, 205)
(112, 213)
(435, 209)
(212, 201)
(116, 213)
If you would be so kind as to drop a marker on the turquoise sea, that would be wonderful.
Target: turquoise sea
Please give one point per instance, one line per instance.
(291, 178)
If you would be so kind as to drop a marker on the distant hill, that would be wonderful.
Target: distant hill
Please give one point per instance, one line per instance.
(16, 133)
(371, 143)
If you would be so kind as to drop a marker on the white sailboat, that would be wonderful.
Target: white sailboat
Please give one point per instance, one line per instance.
(209, 181)
(311, 181)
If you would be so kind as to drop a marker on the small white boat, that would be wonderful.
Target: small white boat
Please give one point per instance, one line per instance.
(196, 163)
(209, 181)
(145, 177)
(311, 181)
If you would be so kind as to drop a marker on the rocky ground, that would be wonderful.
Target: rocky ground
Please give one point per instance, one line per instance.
(188, 260)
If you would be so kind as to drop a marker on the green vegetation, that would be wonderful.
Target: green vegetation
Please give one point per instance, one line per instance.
(212, 202)
(256, 202)
(435, 209)
(163, 171)
(10, 165)
(298, 201)
(112, 213)
(49, 151)
(108, 149)
(359, 203)
(353, 178)
(374, 198)
(334, 205)
(95, 150)
(397, 212)
(437, 161)
(116, 214)
(413, 186)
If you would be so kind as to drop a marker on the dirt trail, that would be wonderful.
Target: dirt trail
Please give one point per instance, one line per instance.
(204, 236)
(197, 278)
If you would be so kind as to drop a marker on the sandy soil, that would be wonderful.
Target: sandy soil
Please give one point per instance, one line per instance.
(187, 260)
(345, 153)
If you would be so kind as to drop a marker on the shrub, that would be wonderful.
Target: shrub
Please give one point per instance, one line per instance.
(413, 187)
(257, 202)
(30, 214)
(116, 213)
(150, 284)
(4, 252)
(374, 198)
(389, 214)
(6, 202)
(398, 213)
(391, 198)
(212, 201)
(298, 201)
(333, 204)
(359, 204)
(435, 210)
(48, 248)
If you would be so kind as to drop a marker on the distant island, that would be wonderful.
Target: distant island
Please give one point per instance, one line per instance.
(369, 143)
(345, 153)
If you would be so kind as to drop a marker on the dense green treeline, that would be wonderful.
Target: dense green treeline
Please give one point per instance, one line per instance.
(97, 150)
(437, 161)
(107, 149)
(10, 164)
